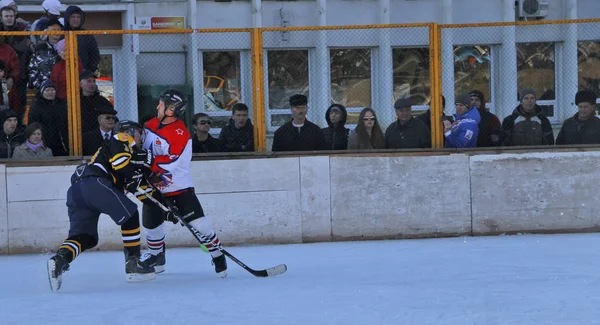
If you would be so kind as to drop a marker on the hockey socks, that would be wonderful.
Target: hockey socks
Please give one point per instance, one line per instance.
(205, 228)
(70, 249)
(155, 239)
(130, 232)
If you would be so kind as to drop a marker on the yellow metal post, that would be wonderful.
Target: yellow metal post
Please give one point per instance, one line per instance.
(73, 101)
(258, 91)
(435, 69)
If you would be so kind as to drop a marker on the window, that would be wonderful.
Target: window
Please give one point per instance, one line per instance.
(472, 70)
(222, 86)
(411, 75)
(105, 77)
(589, 66)
(351, 77)
(535, 69)
(287, 75)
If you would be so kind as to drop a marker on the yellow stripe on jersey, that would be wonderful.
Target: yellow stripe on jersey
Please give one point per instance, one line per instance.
(120, 160)
(125, 137)
(131, 232)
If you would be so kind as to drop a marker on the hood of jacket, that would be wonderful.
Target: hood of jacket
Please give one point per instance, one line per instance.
(472, 114)
(71, 10)
(343, 116)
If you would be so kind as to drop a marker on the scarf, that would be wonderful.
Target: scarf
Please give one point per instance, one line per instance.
(34, 147)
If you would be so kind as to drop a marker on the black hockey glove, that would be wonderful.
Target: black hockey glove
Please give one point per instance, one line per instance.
(133, 183)
(142, 158)
(170, 216)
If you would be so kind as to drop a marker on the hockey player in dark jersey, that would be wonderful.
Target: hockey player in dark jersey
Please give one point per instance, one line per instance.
(98, 187)
(168, 139)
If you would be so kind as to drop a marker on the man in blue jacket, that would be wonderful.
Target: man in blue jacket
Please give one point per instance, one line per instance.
(465, 129)
(87, 47)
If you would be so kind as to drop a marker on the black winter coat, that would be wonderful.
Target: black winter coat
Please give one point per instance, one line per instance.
(53, 115)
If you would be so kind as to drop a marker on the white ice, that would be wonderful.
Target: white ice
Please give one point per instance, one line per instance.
(528, 279)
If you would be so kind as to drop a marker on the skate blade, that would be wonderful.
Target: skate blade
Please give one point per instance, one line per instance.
(139, 277)
(159, 268)
(223, 274)
(55, 283)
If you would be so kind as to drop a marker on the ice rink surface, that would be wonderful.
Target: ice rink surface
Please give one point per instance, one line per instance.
(526, 279)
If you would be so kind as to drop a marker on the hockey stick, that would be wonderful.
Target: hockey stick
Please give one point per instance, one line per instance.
(273, 271)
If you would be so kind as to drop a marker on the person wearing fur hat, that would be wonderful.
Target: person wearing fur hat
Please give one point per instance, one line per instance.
(463, 132)
(336, 134)
(527, 125)
(584, 126)
(490, 127)
(59, 71)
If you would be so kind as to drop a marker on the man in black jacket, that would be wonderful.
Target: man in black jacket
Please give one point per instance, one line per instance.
(527, 125)
(238, 135)
(299, 134)
(336, 134)
(584, 126)
(407, 132)
(93, 140)
(11, 134)
(87, 47)
(202, 141)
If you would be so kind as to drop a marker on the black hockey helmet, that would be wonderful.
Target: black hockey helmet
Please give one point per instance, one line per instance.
(172, 97)
(127, 126)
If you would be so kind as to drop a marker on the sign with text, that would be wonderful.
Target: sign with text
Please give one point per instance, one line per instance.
(160, 22)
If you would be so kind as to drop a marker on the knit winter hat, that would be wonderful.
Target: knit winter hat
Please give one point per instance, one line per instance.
(298, 100)
(528, 91)
(585, 96)
(60, 46)
(46, 84)
(463, 98)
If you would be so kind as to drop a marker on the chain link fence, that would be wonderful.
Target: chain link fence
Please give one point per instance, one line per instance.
(523, 78)
(351, 68)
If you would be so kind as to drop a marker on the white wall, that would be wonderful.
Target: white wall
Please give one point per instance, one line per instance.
(309, 199)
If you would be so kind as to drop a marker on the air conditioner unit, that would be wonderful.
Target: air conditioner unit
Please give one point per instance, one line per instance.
(533, 8)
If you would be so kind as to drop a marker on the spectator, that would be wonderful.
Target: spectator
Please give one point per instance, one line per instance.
(18, 19)
(87, 47)
(13, 96)
(91, 101)
(33, 147)
(367, 134)
(299, 134)
(489, 127)
(12, 72)
(238, 135)
(50, 12)
(44, 56)
(426, 117)
(59, 71)
(21, 45)
(464, 131)
(336, 134)
(527, 126)
(407, 131)
(92, 140)
(11, 135)
(52, 114)
(584, 126)
(202, 141)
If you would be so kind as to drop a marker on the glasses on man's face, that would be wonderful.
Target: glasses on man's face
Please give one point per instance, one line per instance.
(368, 118)
(110, 117)
(203, 122)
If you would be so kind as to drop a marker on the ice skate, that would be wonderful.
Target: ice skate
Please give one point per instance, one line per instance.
(57, 265)
(156, 261)
(220, 264)
(135, 272)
